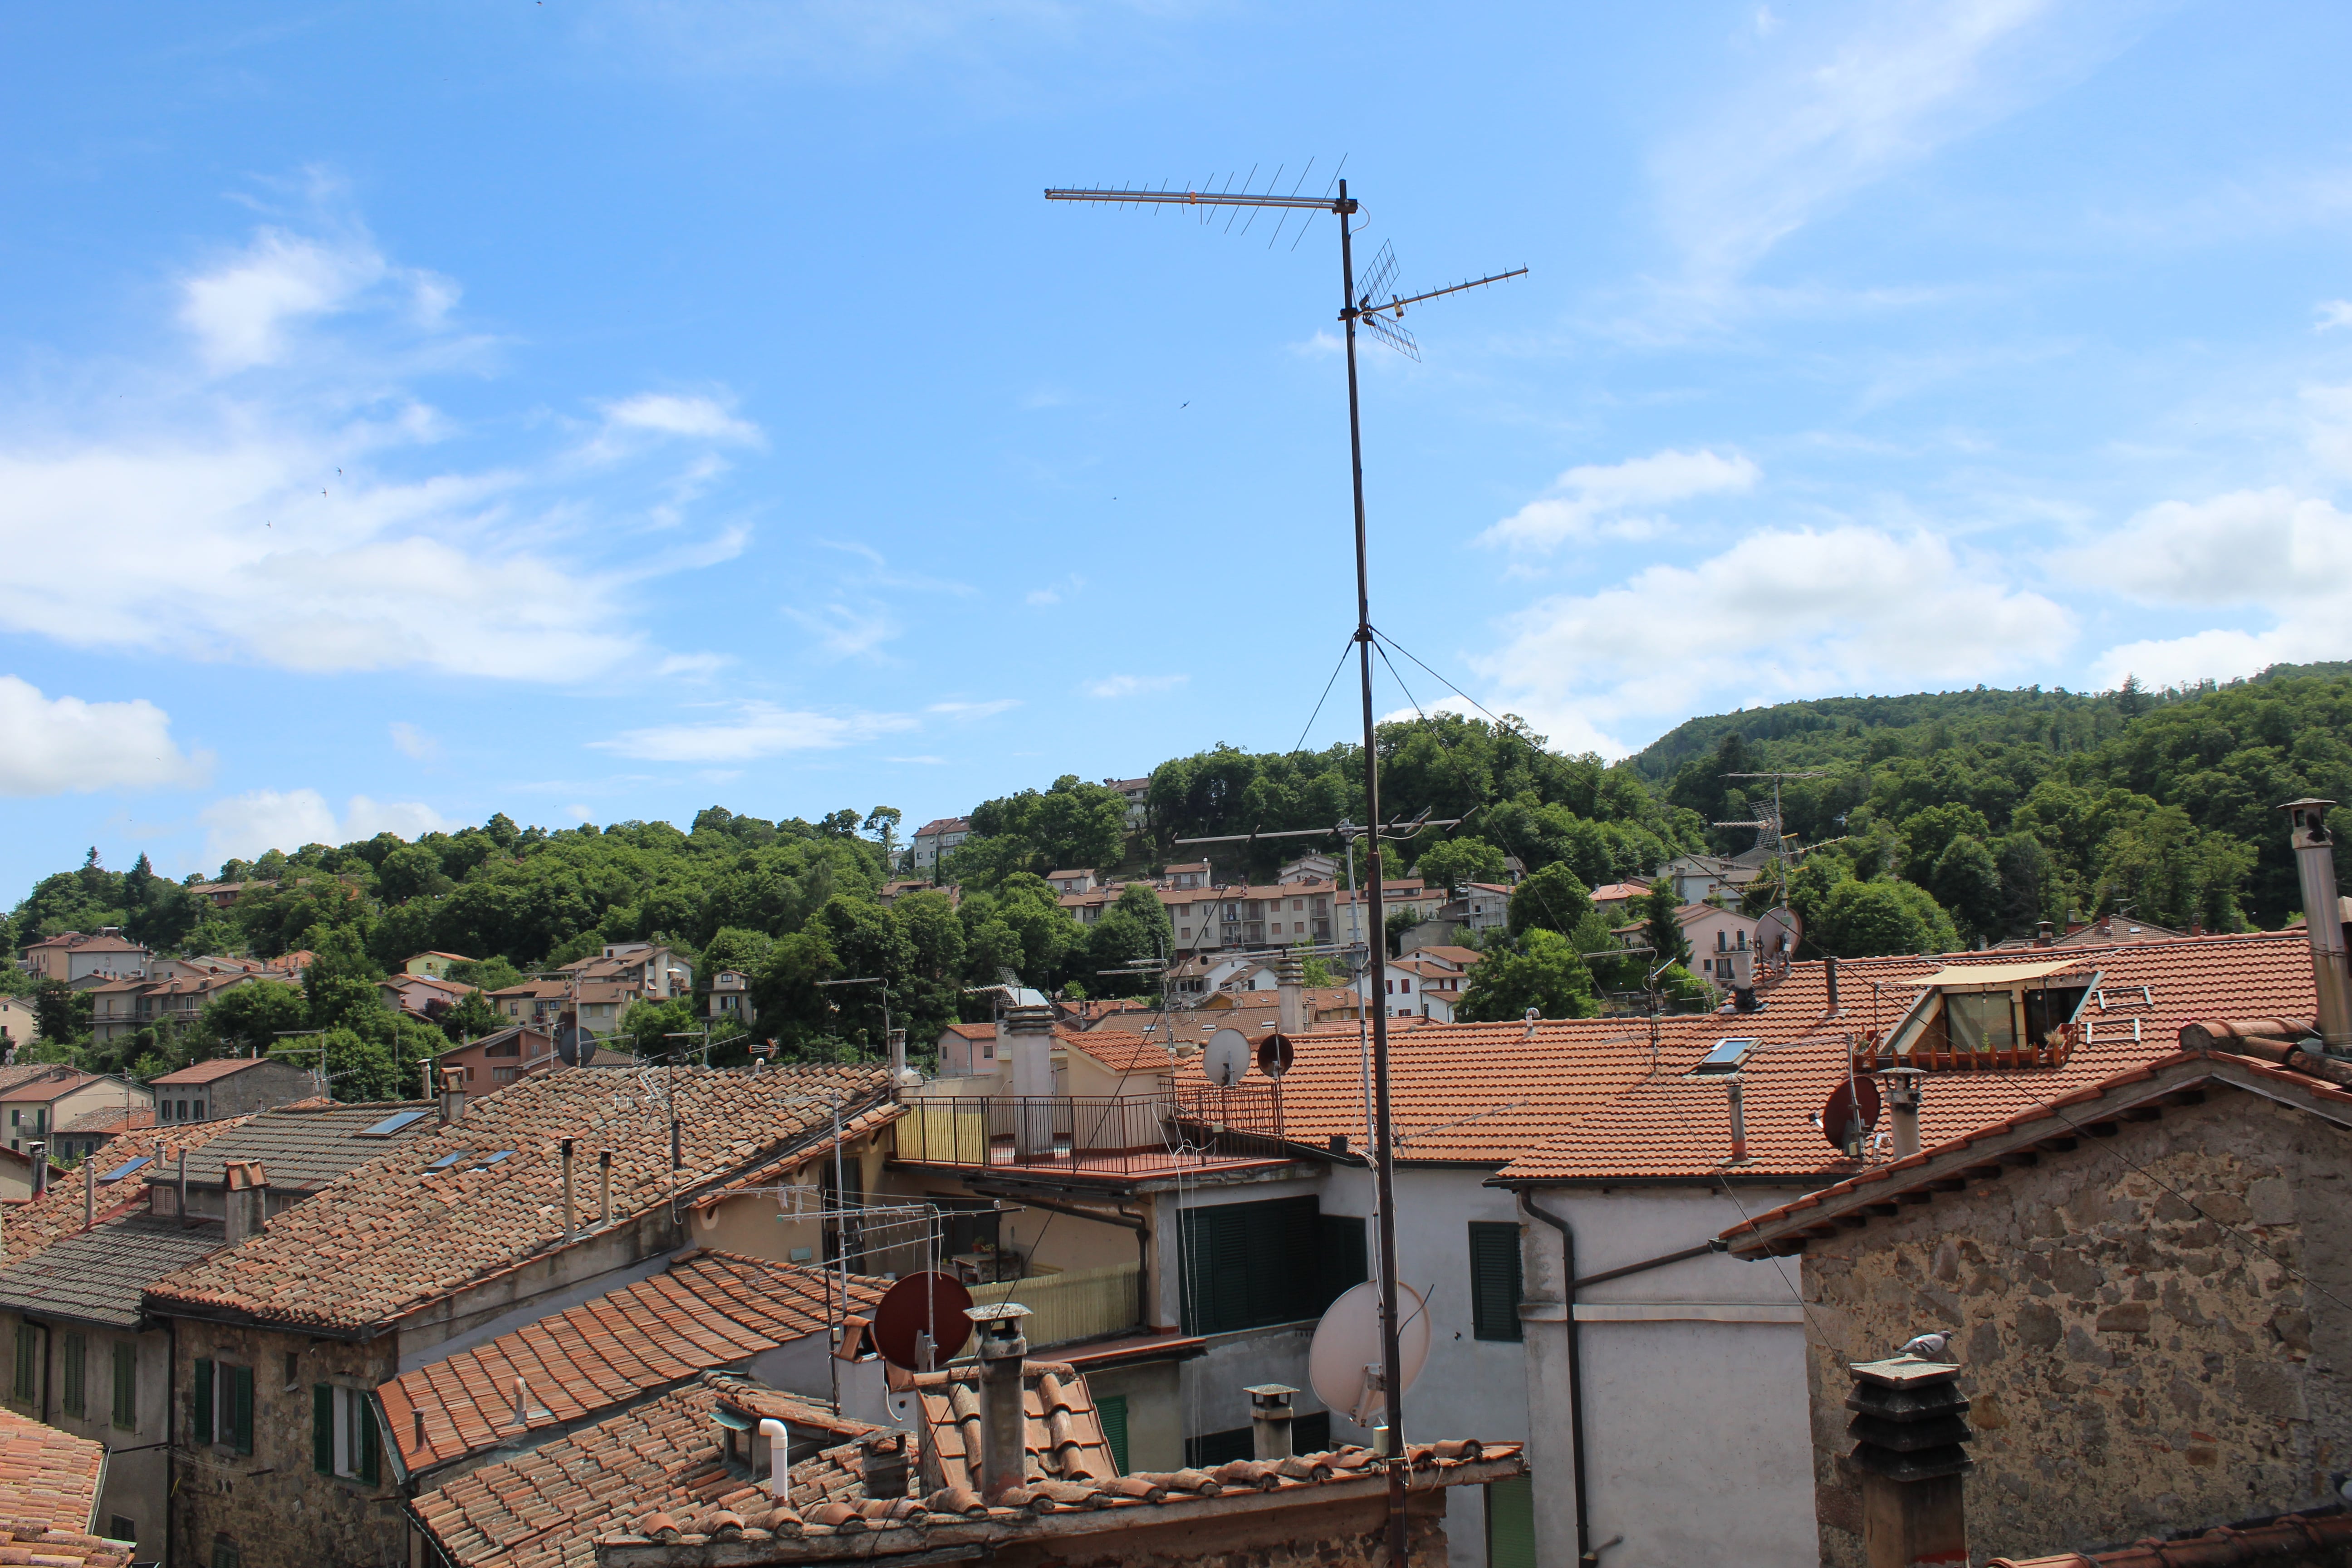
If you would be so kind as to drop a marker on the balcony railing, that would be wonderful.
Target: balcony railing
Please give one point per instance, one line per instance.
(1128, 1134)
(1934, 1054)
(1079, 1304)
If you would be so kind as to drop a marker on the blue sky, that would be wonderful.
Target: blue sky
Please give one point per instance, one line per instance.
(605, 410)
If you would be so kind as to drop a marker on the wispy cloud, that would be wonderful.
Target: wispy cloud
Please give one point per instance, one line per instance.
(755, 730)
(2333, 313)
(246, 826)
(884, 575)
(52, 745)
(1132, 685)
(974, 709)
(845, 632)
(411, 742)
(1596, 497)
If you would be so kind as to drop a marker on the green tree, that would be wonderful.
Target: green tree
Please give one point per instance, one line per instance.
(1880, 917)
(1451, 862)
(1542, 971)
(1966, 881)
(1662, 925)
(470, 1019)
(246, 1020)
(492, 973)
(1135, 927)
(1554, 898)
(360, 1068)
(61, 1014)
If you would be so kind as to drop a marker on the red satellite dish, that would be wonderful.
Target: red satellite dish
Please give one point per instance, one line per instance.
(1856, 1100)
(919, 1303)
(1274, 1054)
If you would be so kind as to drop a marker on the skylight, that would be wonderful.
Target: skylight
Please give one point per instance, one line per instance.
(398, 1123)
(501, 1154)
(128, 1166)
(1729, 1056)
(451, 1158)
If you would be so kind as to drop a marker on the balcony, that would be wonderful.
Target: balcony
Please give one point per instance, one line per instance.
(1135, 1135)
(1078, 1304)
(1934, 1053)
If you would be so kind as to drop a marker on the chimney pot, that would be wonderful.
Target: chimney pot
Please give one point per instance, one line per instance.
(1270, 1420)
(571, 1222)
(1003, 1424)
(1734, 1091)
(2315, 864)
(883, 1465)
(245, 1202)
(453, 1095)
(40, 1153)
(605, 1180)
(1829, 969)
(1290, 993)
(1903, 1108)
(1910, 1430)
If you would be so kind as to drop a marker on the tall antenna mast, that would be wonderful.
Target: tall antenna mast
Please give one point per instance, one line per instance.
(1384, 321)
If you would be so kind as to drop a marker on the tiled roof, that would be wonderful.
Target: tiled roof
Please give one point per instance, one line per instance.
(48, 1492)
(1916, 1176)
(96, 1276)
(706, 1310)
(1117, 1049)
(41, 1080)
(1459, 957)
(531, 989)
(111, 1119)
(2283, 1539)
(28, 1228)
(209, 1072)
(302, 1147)
(396, 1236)
(1674, 1125)
(768, 1173)
(1063, 1438)
(974, 1031)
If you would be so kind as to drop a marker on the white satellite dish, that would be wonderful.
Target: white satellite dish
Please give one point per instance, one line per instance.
(1343, 1364)
(1227, 1059)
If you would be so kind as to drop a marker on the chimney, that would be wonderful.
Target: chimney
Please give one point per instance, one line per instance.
(184, 1186)
(571, 1222)
(1908, 1428)
(1026, 1036)
(1743, 982)
(1903, 1108)
(2315, 863)
(2044, 933)
(1290, 994)
(604, 1181)
(1270, 1421)
(245, 1203)
(1734, 1090)
(89, 1189)
(1004, 1425)
(1829, 968)
(899, 1075)
(453, 1095)
(40, 1153)
(884, 1465)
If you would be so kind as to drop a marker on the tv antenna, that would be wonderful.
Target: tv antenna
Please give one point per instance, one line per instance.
(1384, 319)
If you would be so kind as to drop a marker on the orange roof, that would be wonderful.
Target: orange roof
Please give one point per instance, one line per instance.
(210, 1071)
(1676, 1126)
(708, 1310)
(48, 1494)
(30, 1227)
(1121, 1050)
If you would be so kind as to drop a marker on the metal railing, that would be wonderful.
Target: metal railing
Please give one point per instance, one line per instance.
(1078, 1304)
(1936, 1053)
(1110, 1133)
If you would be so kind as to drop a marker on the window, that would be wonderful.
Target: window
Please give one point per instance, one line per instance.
(1495, 1280)
(292, 1361)
(225, 1554)
(126, 1392)
(1982, 1021)
(391, 1125)
(29, 1360)
(1112, 1409)
(1210, 1449)
(223, 1407)
(121, 1527)
(1242, 1263)
(1511, 1523)
(342, 1432)
(1727, 1057)
(77, 1362)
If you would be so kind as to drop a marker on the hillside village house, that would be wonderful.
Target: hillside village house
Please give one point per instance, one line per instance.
(730, 999)
(36, 1097)
(936, 839)
(424, 997)
(71, 956)
(1717, 937)
(229, 1086)
(499, 1058)
(19, 1024)
(434, 963)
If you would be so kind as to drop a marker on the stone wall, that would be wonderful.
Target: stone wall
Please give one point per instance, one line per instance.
(272, 1504)
(2136, 1366)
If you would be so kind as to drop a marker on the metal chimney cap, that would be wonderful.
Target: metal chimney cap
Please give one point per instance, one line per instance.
(999, 1312)
(1270, 1392)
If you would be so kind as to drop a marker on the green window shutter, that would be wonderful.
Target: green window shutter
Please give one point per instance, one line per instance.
(126, 1385)
(27, 1359)
(1112, 1408)
(322, 1428)
(1511, 1523)
(1495, 1281)
(200, 1418)
(363, 1412)
(1340, 1258)
(76, 1358)
(241, 1391)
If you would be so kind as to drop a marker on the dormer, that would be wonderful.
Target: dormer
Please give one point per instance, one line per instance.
(1977, 1016)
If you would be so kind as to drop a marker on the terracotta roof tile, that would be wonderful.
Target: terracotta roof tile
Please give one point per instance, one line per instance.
(393, 1236)
(708, 1310)
(48, 1492)
(210, 1072)
(28, 1228)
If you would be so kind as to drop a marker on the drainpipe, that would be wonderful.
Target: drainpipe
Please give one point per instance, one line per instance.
(2315, 864)
(1585, 1556)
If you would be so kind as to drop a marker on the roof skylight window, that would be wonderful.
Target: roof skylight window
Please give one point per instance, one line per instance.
(1729, 1056)
(128, 1166)
(494, 1158)
(398, 1123)
(451, 1158)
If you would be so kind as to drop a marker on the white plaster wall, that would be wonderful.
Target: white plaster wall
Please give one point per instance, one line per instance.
(1698, 1441)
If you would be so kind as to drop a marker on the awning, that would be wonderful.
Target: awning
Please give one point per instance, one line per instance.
(1955, 974)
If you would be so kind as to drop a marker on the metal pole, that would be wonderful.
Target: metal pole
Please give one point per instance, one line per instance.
(1384, 1178)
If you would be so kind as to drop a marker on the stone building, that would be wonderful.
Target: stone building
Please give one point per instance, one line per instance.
(2146, 1286)
(499, 1212)
(230, 1086)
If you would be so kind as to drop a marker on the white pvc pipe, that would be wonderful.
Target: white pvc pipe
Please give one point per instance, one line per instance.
(779, 1459)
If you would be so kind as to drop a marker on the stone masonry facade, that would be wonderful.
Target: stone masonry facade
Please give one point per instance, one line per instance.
(2135, 1365)
(271, 1505)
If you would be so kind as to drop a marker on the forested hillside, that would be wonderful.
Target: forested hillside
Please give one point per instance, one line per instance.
(1941, 819)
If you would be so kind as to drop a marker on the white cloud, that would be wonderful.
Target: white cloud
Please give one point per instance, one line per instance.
(1132, 685)
(974, 709)
(412, 741)
(846, 633)
(1042, 596)
(51, 745)
(294, 517)
(2334, 313)
(1590, 498)
(756, 729)
(1780, 614)
(665, 415)
(576, 814)
(246, 826)
(2283, 556)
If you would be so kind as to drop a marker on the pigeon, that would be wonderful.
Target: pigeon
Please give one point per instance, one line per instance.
(1926, 1347)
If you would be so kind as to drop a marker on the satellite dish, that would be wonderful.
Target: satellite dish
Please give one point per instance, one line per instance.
(1778, 929)
(1274, 1054)
(1343, 1362)
(575, 1046)
(1227, 1059)
(919, 1304)
(1856, 1100)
